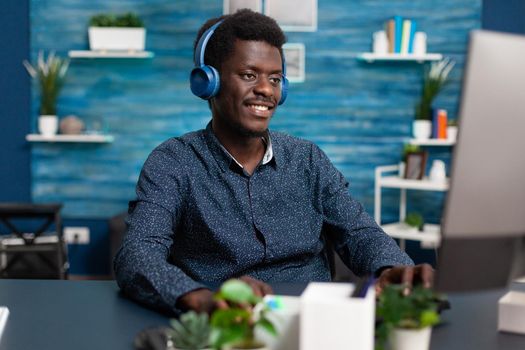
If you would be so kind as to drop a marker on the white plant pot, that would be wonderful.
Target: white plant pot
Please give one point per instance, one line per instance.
(421, 129)
(261, 347)
(116, 39)
(48, 125)
(410, 339)
(452, 133)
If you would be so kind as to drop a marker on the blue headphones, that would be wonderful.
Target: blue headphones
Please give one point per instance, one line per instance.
(205, 80)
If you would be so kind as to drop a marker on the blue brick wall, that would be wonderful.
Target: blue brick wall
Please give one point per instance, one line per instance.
(359, 113)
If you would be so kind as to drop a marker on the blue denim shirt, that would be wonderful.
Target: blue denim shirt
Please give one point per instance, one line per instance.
(200, 218)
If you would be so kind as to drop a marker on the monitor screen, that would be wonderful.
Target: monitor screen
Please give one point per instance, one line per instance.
(484, 217)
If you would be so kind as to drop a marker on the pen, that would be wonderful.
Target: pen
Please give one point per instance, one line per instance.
(362, 286)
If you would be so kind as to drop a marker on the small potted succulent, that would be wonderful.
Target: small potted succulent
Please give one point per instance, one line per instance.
(234, 327)
(434, 80)
(109, 32)
(415, 220)
(50, 74)
(190, 332)
(405, 321)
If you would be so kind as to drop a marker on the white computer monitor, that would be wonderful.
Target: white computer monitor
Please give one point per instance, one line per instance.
(483, 225)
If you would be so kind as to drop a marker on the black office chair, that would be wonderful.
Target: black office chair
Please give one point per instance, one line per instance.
(41, 253)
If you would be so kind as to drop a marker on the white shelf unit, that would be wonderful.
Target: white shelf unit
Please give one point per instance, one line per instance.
(81, 138)
(387, 177)
(432, 142)
(371, 57)
(110, 54)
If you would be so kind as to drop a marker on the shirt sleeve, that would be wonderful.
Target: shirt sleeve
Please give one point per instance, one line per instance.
(362, 245)
(142, 266)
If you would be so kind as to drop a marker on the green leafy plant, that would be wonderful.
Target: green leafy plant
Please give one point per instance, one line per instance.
(191, 331)
(434, 80)
(416, 310)
(50, 74)
(236, 325)
(110, 20)
(415, 220)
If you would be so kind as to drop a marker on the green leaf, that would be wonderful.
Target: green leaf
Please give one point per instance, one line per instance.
(429, 318)
(267, 326)
(237, 291)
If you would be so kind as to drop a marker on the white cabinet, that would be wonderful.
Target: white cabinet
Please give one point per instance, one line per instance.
(387, 177)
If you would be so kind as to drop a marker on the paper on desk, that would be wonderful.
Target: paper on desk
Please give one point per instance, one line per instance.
(4, 313)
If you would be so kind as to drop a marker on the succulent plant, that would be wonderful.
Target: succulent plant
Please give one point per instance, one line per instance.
(191, 331)
(110, 20)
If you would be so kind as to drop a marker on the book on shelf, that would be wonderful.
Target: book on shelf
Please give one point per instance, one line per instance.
(439, 124)
(398, 33)
(390, 32)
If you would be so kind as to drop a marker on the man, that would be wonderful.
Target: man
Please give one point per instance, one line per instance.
(238, 200)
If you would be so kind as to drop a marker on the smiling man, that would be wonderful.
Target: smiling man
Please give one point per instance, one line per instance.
(239, 200)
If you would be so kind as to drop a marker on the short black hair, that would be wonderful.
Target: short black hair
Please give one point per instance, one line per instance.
(244, 25)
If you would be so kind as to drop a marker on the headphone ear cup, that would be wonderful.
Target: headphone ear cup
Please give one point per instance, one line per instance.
(284, 90)
(205, 82)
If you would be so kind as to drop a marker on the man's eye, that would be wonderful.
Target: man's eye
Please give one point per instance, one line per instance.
(248, 76)
(275, 80)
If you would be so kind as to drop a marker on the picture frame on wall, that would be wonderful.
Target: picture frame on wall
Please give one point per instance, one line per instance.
(231, 6)
(293, 15)
(415, 165)
(294, 54)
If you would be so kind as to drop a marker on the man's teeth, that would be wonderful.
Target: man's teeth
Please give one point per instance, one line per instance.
(259, 108)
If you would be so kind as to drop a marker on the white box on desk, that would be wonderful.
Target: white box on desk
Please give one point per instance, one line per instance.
(331, 319)
(511, 312)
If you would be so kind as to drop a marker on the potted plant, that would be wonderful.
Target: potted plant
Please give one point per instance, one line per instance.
(234, 327)
(109, 32)
(434, 80)
(415, 220)
(50, 74)
(190, 332)
(405, 321)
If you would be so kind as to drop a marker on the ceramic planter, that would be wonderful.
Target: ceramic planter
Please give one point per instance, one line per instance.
(48, 125)
(116, 39)
(259, 346)
(452, 133)
(422, 129)
(413, 339)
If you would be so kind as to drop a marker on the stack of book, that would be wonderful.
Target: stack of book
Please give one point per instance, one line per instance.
(400, 33)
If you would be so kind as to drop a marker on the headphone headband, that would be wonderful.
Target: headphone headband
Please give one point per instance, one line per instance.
(198, 58)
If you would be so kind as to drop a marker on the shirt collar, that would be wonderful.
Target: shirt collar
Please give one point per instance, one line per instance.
(224, 158)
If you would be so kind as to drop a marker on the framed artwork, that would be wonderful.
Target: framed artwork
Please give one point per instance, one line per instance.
(231, 6)
(295, 62)
(415, 165)
(293, 15)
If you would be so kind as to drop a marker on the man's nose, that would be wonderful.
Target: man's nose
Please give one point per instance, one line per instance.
(264, 87)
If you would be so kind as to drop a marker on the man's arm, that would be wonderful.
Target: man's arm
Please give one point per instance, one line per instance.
(142, 268)
(360, 242)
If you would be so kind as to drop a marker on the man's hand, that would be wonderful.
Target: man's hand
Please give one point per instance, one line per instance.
(259, 287)
(407, 276)
(201, 300)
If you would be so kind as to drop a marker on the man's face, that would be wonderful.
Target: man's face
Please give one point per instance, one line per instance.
(250, 89)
